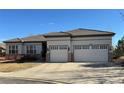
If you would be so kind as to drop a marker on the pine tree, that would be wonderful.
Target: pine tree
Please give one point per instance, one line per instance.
(119, 50)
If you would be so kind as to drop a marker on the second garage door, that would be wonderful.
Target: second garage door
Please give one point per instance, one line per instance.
(91, 53)
(58, 53)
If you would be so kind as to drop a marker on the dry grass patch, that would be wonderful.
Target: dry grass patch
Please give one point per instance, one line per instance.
(10, 67)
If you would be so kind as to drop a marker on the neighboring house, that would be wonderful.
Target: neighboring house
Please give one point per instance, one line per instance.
(2, 49)
(75, 45)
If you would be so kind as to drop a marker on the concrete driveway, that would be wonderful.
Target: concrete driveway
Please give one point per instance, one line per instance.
(68, 73)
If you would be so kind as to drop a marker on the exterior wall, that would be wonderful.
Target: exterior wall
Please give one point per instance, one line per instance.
(90, 38)
(95, 40)
(91, 42)
(22, 50)
(79, 41)
(22, 47)
(19, 46)
(61, 41)
(38, 47)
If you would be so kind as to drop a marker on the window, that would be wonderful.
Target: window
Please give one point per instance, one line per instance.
(56, 47)
(31, 49)
(95, 46)
(13, 49)
(100, 46)
(85, 46)
(63, 47)
(104, 46)
(81, 46)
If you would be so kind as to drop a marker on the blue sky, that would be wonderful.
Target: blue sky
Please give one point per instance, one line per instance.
(22, 23)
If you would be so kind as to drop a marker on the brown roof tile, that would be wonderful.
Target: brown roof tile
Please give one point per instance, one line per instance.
(80, 32)
(34, 38)
(89, 32)
(73, 33)
(15, 40)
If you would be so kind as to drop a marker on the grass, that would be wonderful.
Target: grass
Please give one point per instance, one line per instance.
(11, 67)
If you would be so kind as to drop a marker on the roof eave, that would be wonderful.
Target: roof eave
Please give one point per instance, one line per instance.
(12, 42)
(111, 34)
(56, 35)
(93, 35)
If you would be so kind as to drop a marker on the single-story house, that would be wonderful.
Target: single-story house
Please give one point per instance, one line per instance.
(76, 45)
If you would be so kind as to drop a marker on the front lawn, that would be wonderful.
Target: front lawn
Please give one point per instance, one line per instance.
(10, 67)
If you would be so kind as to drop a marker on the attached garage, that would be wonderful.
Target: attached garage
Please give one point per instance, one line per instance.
(58, 53)
(79, 45)
(91, 52)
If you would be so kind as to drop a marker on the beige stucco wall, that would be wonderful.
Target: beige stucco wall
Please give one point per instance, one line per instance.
(92, 40)
(58, 41)
(79, 41)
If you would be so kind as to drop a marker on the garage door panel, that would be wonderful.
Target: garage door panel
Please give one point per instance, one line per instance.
(90, 54)
(58, 56)
(58, 53)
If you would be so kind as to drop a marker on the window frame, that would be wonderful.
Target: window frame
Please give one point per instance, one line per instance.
(31, 49)
(13, 49)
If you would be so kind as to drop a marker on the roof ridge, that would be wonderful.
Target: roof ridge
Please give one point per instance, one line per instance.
(93, 30)
(87, 29)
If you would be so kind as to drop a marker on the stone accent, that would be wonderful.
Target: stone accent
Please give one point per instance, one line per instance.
(110, 54)
(47, 56)
(13, 57)
(70, 57)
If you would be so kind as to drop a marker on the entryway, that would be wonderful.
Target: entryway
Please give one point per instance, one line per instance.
(44, 50)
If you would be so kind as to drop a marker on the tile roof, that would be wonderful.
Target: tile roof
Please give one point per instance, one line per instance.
(34, 38)
(80, 32)
(73, 33)
(15, 40)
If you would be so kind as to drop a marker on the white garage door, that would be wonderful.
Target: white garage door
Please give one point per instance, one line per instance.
(91, 52)
(58, 53)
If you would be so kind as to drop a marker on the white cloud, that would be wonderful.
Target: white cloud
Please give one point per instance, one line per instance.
(50, 23)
